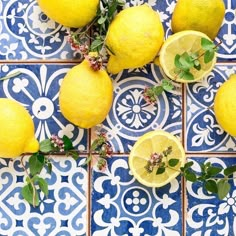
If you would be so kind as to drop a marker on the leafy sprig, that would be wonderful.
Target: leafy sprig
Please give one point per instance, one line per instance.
(39, 160)
(214, 179)
(187, 61)
(150, 93)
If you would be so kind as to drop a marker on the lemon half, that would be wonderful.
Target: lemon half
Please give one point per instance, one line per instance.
(150, 143)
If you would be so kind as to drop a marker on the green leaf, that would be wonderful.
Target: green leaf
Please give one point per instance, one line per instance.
(207, 44)
(101, 20)
(230, 170)
(36, 163)
(158, 90)
(167, 85)
(49, 165)
(211, 186)
(27, 193)
(11, 75)
(188, 76)
(186, 61)
(67, 143)
(43, 185)
(188, 164)
(197, 67)
(213, 170)
(173, 162)
(160, 170)
(45, 146)
(190, 176)
(177, 63)
(208, 56)
(223, 188)
(96, 44)
(88, 159)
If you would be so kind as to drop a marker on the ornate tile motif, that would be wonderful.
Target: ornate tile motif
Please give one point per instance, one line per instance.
(131, 117)
(37, 88)
(206, 214)
(62, 213)
(202, 131)
(27, 33)
(122, 206)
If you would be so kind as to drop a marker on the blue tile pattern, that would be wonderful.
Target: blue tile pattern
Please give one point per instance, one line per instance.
(122, 206)
(207, 215)
(37, 88)
(62, 213)
(203, 132)
(112, 203)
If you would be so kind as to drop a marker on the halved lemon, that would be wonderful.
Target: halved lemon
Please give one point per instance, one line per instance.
(185, 41)
(156, 142)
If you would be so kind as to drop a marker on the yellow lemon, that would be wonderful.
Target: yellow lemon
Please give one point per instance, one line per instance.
(85, 96)
(16, 130)
(70, 13)
(154, 144)
(185, 41)
(225, 105)
(134, 38)
(200, 15)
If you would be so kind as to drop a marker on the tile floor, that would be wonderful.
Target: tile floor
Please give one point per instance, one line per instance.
(84, 201)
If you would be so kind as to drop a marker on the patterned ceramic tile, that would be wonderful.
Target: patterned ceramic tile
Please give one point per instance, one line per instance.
(37, 89)
(27, 33)
(202, 131)
(131, 117)
(122, 206)
(62, 213)
(206, 214)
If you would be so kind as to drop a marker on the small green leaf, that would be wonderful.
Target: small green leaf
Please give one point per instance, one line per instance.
(36, 163)
(28, 180)
(43, 185)
(223, 188)
(158, 90)
(167, 85)
(96, 45)
(211, 186)
(186, 61)
(45, 146)
(27, 194)
(230, 170)
(188, 76)
(207, 44)
(208, 56)
(101, 20)
(190, 176)
(197, 67)
(188, 164)
(177, 63)
(67, 143)
(49, 165)
(213, 170)
(160, 170)
(173, 162)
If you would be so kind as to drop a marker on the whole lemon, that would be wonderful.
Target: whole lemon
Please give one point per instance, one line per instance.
(225, 105)
(16, 130)
(69, 12)
(85, 96)
(134, 38)
(200, 15)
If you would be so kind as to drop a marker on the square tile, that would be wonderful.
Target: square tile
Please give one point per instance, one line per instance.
(206, 214)
(62, 213)
(37, 89)
(122, 206)
(203, 134)
(130, 116)
(27, 33)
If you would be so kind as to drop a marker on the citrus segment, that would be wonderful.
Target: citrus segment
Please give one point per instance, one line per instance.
(186, 41)
(150, 143)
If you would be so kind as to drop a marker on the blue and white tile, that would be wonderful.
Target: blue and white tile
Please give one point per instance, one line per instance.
(130, 116)
(122, 206)
(206, 214)
(66, 200)
(37, 88)
(27, 33)
(203, 133)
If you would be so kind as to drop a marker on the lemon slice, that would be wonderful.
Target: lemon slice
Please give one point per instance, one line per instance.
(185, 41)
(150, 143)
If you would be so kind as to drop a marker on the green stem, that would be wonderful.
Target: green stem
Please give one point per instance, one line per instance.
(30, 179)
(11, 75)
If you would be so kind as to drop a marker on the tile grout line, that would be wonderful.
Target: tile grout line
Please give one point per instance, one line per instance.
(184, 199)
